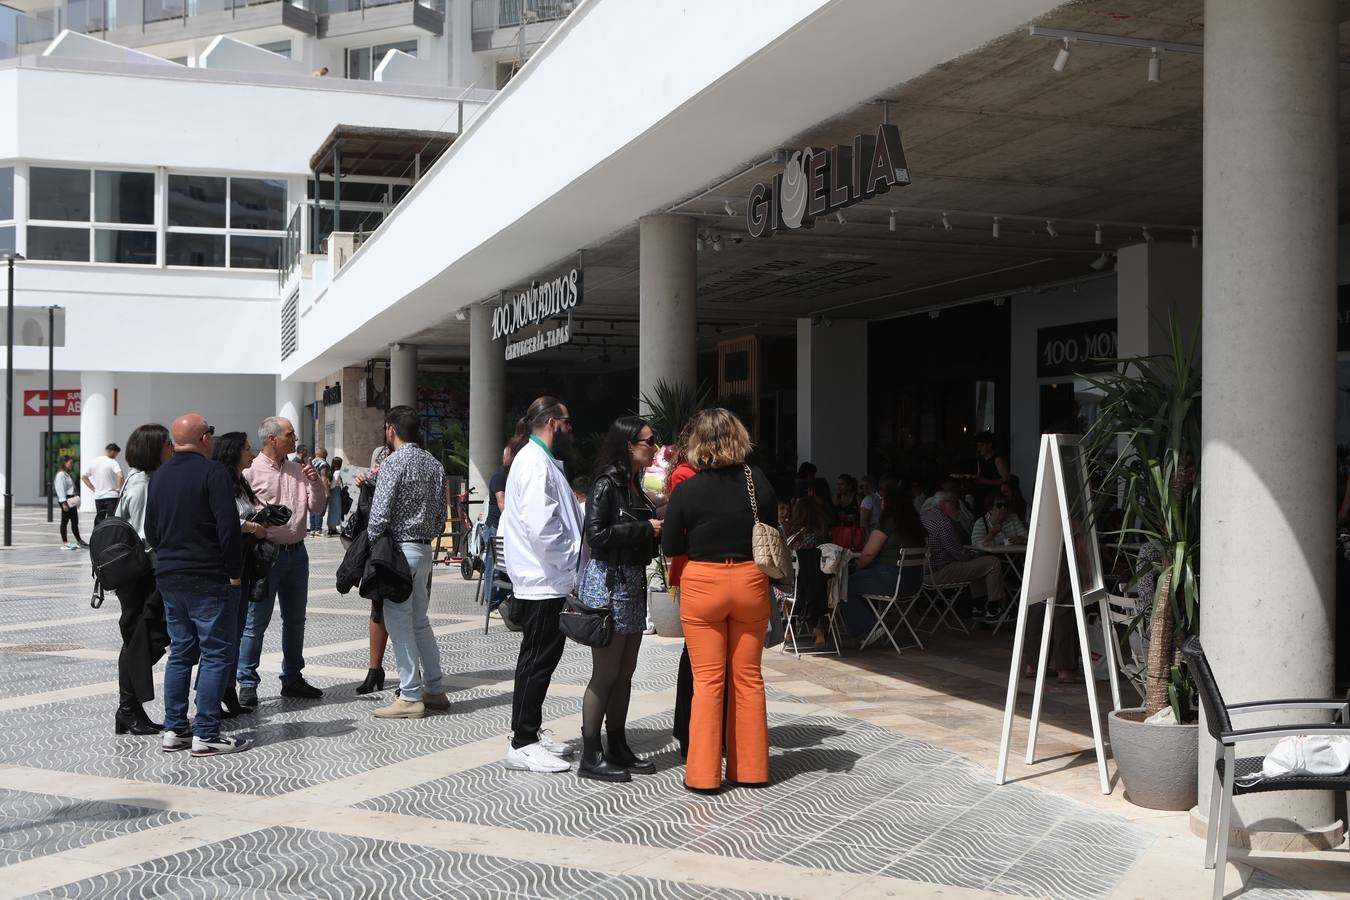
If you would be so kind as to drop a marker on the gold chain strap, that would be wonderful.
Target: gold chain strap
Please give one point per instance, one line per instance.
(750, 486)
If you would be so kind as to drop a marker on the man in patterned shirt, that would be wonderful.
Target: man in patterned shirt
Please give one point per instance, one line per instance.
(409, 505)
(954, 564)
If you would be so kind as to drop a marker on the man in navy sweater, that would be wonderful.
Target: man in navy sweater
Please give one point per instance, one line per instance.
(193, 525)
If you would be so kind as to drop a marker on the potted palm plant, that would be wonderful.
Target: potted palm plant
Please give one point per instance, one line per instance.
(1145, 453)
(666, 408)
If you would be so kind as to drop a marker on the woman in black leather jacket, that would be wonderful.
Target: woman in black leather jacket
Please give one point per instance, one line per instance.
(621, 532)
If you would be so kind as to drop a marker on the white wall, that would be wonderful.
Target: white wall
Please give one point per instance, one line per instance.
(832, 397)
(230, 402)
(1030, 312)
(620, 128)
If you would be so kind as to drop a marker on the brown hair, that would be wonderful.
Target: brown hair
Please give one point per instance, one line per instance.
(717, 439)
(679, 452)
(540, 411)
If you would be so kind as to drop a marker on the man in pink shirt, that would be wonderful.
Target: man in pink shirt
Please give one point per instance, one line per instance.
(276, 479)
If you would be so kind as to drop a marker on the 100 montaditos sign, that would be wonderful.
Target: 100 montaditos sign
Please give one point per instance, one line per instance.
(543, 300)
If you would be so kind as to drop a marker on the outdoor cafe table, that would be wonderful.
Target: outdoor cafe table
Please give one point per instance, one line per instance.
(1013, 557)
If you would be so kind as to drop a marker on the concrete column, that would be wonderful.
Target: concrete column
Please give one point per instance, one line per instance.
(96, 431)
(1268, 482)
(667, 298)
(832, 397)
(291, 402)
(487, 400)
(403, 375)
(1155, 281)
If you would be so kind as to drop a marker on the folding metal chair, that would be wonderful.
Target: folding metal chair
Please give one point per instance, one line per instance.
(941, 597)
(500, 582)
(1228, 768)
(810, 587)
(900, 602)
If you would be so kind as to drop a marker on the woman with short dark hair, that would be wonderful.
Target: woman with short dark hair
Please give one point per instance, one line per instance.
(234, 451)
(145, 637)
(621, 531)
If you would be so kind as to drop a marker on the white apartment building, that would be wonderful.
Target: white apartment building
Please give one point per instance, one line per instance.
(156, 175)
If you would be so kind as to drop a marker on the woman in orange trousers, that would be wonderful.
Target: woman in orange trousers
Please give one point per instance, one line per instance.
(724, 602)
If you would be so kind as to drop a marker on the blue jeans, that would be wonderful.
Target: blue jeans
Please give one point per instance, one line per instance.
(201, 633)
(489, 562)
(334, 509)
(290, 582)
(415, 649)
(315, 521)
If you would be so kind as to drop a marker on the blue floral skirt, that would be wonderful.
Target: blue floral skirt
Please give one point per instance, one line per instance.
(622, 587)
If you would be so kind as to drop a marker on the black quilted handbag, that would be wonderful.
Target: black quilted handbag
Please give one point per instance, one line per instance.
(586, 625)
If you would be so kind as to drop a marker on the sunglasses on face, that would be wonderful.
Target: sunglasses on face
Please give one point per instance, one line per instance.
(210, 429)
(649, 441)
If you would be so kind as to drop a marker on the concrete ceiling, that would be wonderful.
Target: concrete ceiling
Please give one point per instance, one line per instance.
(995, 132)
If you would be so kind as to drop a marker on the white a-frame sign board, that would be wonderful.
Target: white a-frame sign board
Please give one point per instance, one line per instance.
(1060, 524)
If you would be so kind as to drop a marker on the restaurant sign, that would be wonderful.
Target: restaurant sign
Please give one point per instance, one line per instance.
(545, 308)
(1079, 348)
(816, 181)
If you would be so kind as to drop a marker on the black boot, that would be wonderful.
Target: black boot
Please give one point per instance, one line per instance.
(594, 765)
(229, 704)
(131, 719)
(622, 755)
(374, 682)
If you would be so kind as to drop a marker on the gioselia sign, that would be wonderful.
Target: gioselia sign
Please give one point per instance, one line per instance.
(816, 181)
(544, 300)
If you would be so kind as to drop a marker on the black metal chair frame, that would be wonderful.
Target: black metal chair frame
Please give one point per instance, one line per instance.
(1228, 767)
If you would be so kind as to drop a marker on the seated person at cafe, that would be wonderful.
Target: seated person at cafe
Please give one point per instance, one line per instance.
(999, 526)
(953, 563)
(846, 499)
(819, 488)
(965, 513)
(869, 507)
(1063, 634)
(878, 566)
(806, 527)
(1011, 490)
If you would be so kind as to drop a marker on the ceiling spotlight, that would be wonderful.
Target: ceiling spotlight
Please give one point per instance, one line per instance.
(1195, 239)
(946, 222)
(839, 217)
(995, 228)
(1100, 262)
(726, 204)
(890, 223)
(1097, 236)
(1062, 57)
(934, 313)
(1155, 67)
(1050, 229)
(717, 243)
(1148, 236)
(460, 315)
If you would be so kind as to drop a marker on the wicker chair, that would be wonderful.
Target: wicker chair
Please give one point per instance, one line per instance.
(1234, 775)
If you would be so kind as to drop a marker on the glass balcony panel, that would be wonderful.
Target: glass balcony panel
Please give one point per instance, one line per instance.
(125, 13)
(164, 10)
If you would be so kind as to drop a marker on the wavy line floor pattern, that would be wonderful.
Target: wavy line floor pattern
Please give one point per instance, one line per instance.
(847, 796)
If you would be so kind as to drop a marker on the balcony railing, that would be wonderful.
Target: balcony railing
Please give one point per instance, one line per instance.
(334, 7)
(489, 15)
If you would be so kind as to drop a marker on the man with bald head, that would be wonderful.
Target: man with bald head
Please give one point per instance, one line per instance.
(193, 525)
(296, 485)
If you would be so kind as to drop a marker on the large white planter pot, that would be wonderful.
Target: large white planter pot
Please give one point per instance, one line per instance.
(665, 613)
(1157, 763)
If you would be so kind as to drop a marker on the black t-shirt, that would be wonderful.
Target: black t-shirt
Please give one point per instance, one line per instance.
(496, 484)
(709, 519)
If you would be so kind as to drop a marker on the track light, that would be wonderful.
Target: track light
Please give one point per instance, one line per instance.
(1195, 239)
(1155, 67)
(1062, 57)
(1050, 229)
(1100, 262)
(995, 228)
(946, 222)
(839, 217)
(726, 204)
(890, 223)
(461, 315)
(1097, 236)
(717, 242)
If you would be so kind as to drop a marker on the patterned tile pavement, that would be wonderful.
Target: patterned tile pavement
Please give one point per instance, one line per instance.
(333, 803)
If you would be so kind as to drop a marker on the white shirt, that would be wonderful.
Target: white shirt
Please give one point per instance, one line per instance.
(540, 527)
(103, 472)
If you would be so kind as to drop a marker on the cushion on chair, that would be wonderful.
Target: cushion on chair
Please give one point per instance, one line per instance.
(1249, 766)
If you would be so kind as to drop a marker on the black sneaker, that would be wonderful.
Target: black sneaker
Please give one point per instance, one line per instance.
(300, 689)
(217, 746)
(248, 698)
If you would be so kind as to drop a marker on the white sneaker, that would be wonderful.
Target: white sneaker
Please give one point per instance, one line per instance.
(217, 746)
(172, 741)
(555, 746)
(534, 758)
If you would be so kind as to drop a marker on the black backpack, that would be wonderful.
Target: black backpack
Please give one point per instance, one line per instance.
(118, 557)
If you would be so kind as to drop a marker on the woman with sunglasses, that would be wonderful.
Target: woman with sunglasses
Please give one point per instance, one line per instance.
(621, 531)
(999, 526)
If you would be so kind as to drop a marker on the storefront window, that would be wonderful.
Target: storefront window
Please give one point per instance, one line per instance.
(59, 200)
(219, 221)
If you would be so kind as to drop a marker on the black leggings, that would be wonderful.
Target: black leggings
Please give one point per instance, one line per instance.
(611, 685)
(145, 638)
(73, 517)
